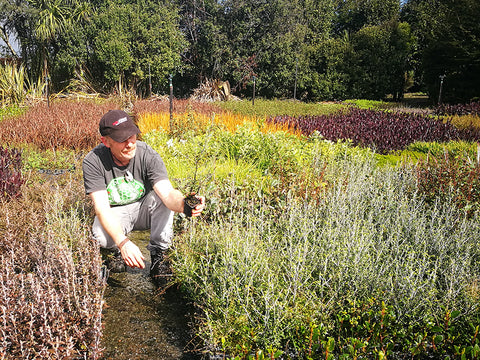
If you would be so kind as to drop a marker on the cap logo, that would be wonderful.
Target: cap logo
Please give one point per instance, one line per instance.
(119, 121)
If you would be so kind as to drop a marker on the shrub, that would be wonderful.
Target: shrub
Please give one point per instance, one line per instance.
(64, 124)
(11, 179)
(13, 83)
(261, 273)
(12, 110)
(465, 121)
(264, 108)
(441, 176)
(383, 131)
(472, 108)
(50, 286)
(179, 106)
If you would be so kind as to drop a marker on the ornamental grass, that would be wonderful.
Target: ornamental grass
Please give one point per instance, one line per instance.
(65, 124)
(198, 123)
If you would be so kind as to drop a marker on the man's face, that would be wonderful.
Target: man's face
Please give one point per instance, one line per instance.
(122, 152)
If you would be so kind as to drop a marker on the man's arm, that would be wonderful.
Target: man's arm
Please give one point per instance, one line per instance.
(174, 199)
(131, 254)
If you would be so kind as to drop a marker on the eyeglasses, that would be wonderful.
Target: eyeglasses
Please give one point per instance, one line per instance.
(128, 176)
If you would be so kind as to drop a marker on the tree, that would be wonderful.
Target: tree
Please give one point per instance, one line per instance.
(268, 39)
(448, 36)
(352, 15)
(329, 63)
(381, 54)
(52, 17)
(124, 44)
(200, 25)
(9, 13)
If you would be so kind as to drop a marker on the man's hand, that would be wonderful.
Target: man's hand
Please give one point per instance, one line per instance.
(175, 200)
(132, 255)
(193, 205)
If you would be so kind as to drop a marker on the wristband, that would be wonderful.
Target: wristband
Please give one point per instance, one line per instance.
(124, 241)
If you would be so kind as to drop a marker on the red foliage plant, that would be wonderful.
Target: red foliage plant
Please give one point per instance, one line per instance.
(472, 108)
(64, 124)
(437, 177)
(50, 289)
(179, 106)
(11, 179)
(380, 130)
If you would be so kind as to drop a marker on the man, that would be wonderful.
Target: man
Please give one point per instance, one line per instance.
(130, 190)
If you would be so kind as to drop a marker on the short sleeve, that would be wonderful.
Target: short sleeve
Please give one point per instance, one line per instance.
(93, 176)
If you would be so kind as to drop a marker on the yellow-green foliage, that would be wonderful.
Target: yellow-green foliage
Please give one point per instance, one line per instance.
(198, 123)
(465, 121)
(12, 84)
(263, 108)
(371, 104)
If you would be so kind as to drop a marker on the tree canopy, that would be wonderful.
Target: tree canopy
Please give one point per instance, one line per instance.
(308, 49)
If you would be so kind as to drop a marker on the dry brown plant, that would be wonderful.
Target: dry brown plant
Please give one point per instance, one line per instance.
(50, 285)
(65, 124)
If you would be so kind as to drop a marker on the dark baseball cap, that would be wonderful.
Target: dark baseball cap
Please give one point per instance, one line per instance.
(118, 125)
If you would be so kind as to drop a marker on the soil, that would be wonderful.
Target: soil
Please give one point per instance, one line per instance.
(191, 200)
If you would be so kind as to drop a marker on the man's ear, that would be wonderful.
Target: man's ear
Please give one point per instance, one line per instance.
(105, 141)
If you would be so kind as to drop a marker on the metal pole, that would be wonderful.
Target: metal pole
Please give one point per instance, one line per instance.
(441, 87)
(253, 98)
(46, 91)
(149, 81)
(295, 88)
(171, 99)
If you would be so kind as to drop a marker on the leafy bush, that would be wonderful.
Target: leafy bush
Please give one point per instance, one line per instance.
(162, 105)
(372, 104)
(11, 179)
(465, 121)
(63, 125)
(262, 273)
(383, 131)
(49, 159)
(51, 292)
(13, 110)
(452, 148)
(442, 176)
(13, 84)
(472, 108)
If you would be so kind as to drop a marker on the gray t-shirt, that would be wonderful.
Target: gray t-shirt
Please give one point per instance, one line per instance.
(124, 184)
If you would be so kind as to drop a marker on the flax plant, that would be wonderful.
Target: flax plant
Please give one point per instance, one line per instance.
(13, 83)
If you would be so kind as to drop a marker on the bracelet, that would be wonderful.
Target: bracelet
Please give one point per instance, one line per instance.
(124, 241)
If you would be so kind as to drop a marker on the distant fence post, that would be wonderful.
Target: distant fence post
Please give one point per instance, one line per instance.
(441, 88)
(46, 91)
(295, 87)
(171, 98)
(253, 98)
(478, 152)
(149, 81)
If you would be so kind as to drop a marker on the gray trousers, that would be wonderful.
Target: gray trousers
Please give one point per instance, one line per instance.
(148, 213)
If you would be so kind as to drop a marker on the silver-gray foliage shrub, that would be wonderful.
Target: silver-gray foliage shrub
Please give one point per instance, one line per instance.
(267, 269)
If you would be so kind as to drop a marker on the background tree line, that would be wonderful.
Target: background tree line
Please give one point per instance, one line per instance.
(307, 49)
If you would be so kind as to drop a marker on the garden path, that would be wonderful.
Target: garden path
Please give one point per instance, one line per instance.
(142, 322)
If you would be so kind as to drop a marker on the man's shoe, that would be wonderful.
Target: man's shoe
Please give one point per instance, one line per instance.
(159, 269)
(113, 260)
